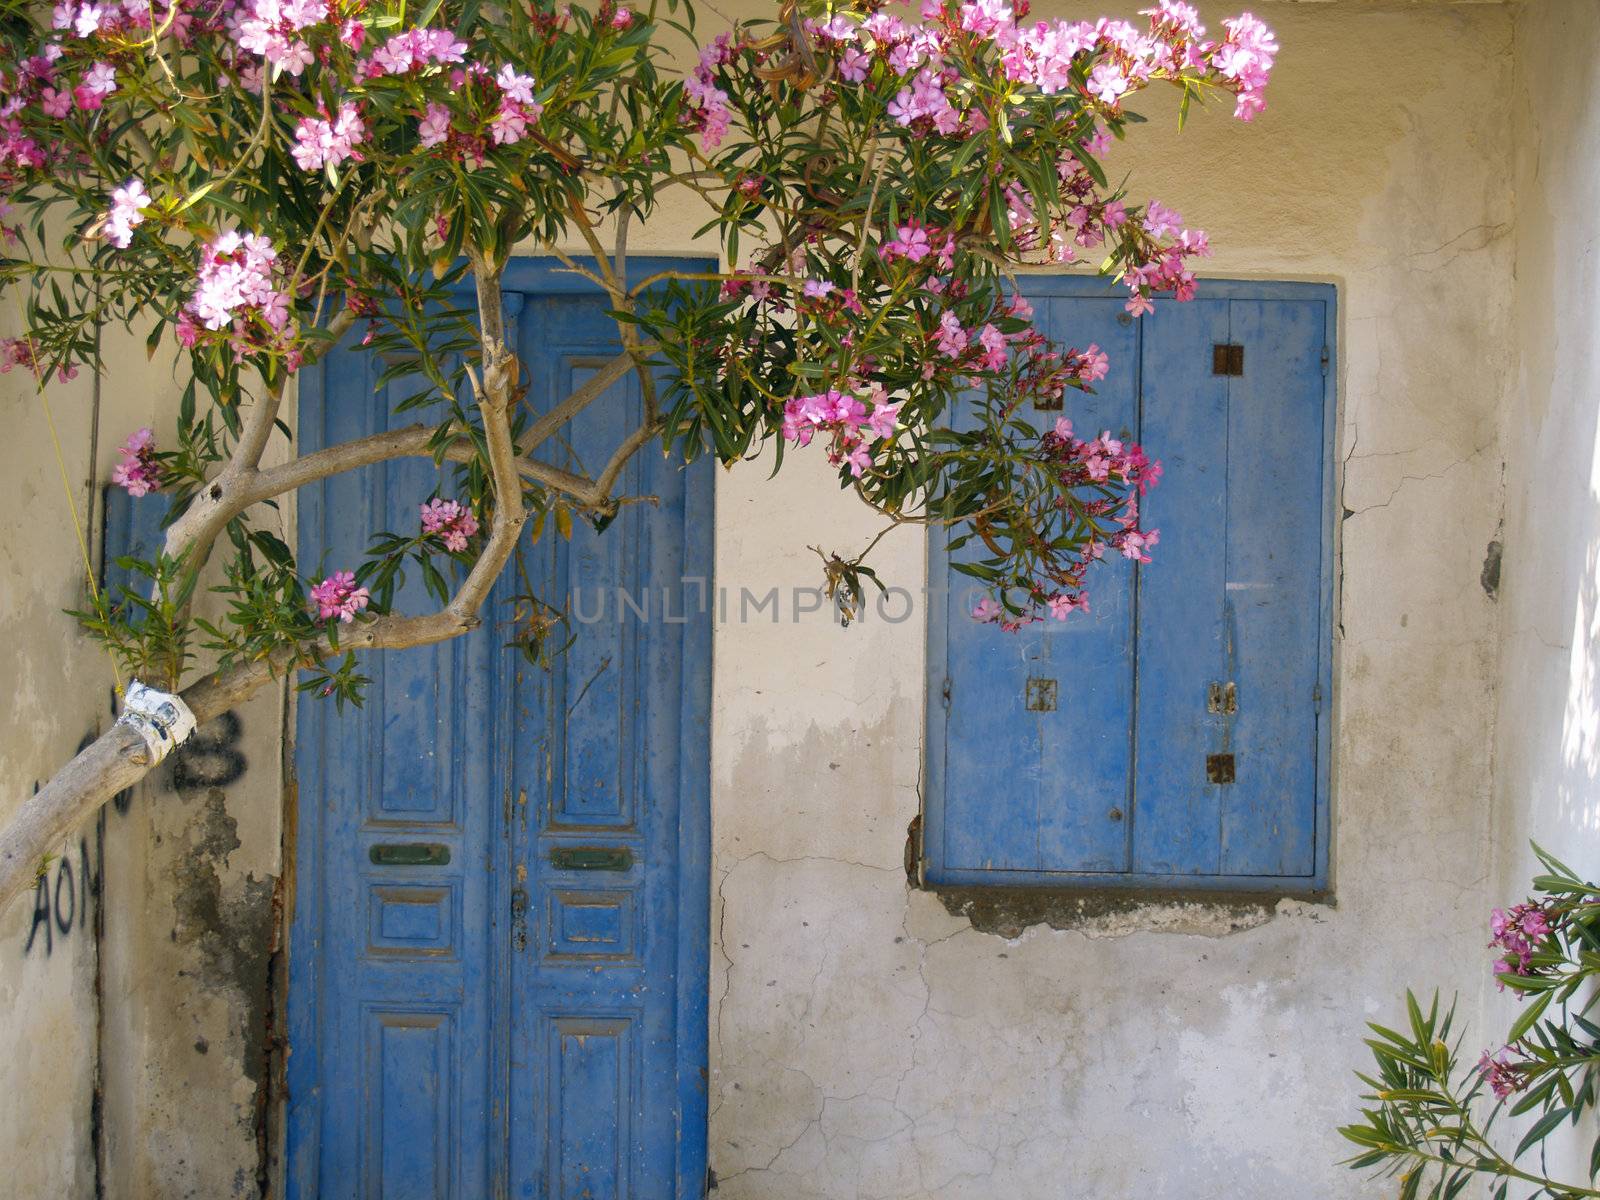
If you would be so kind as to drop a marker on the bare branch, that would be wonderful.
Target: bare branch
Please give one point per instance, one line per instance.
(586, 395)
(118, 759)
(496, 395)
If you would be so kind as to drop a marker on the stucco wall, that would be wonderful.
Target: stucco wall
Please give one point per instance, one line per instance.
(1547, 741)
(54, 692)
(866, 1043)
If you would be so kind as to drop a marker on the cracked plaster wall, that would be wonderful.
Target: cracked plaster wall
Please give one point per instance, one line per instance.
(133, 1041)
(868, 1045)
(1547, 743)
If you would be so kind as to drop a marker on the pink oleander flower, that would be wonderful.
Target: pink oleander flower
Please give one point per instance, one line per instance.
(434, 128)
(910, 242)
(1500, 1073)
(337, 596)
(416, 49)
(320, 143)
(816, 289)
(1515, 932)
(854, 65)
(987, 610)
(953, 339)
(137, 470)
(1063, 604)
(708, 109)
(98, 82)
(621, 19)
(126, 202)
(1093, 364)
(452, 522)
(1159, 220)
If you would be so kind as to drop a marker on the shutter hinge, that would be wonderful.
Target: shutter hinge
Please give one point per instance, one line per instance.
(945, 691)
(1316, 697)
(1324, 360)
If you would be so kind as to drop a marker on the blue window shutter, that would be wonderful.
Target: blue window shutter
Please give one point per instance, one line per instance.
(132, 529)
(1029, 790)
(1272, 615)
(1116, 786)
(1180, 652)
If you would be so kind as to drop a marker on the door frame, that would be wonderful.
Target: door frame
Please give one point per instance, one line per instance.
(300, 994)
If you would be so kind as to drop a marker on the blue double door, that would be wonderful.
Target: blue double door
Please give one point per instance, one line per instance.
(498, 950)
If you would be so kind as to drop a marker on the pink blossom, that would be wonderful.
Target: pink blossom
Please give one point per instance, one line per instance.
(126, 202)
(338, 596)
(987, 610)
(418, 48)
(911, 242)
(451, 521)
(857, 458)
(237, 278)
(1107, 83)
(55, 105)
(98, 82)
(435, 125)
(883, 419)
(952, 337)
(816, 289)
(1094, 364)
(320, 143)
(1139, 304)
(621, 19)
(137, 470)
(1500, 1073)
(854, 65)
(993, 343)
(1160, 220)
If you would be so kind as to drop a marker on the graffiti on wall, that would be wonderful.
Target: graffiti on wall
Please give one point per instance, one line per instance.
(70, 885)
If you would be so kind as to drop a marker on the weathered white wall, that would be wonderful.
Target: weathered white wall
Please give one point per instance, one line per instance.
(1547, 738)
(868, 1044)
(130, 1050)
(54, 692)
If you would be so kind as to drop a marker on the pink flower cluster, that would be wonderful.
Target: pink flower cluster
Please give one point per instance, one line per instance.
(708, 104)
(416, 49)
(1500, 1073)
(137, 469)
(320, 142)
(1115, 57)
(452, 522)
(1514, 932)
(126, 203)
(338, 596)
(271, 29)
(238, 276)
(852, 426)
(914, 242)
(518, 108)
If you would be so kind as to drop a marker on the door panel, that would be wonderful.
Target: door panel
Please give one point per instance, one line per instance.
(498, 950)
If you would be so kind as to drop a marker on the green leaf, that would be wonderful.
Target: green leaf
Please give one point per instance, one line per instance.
(1541, 1129)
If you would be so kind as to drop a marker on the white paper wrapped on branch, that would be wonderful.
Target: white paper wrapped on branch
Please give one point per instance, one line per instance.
(162, 719)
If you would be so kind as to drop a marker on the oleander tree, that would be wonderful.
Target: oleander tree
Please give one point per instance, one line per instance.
(1438, 1126)
(244, 184)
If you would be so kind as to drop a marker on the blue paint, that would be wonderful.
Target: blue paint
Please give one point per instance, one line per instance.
(499, 1025)
(132, 529)
(1111, 788)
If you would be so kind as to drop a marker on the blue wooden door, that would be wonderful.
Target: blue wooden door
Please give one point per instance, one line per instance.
(1187, 742)
(498, 953)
